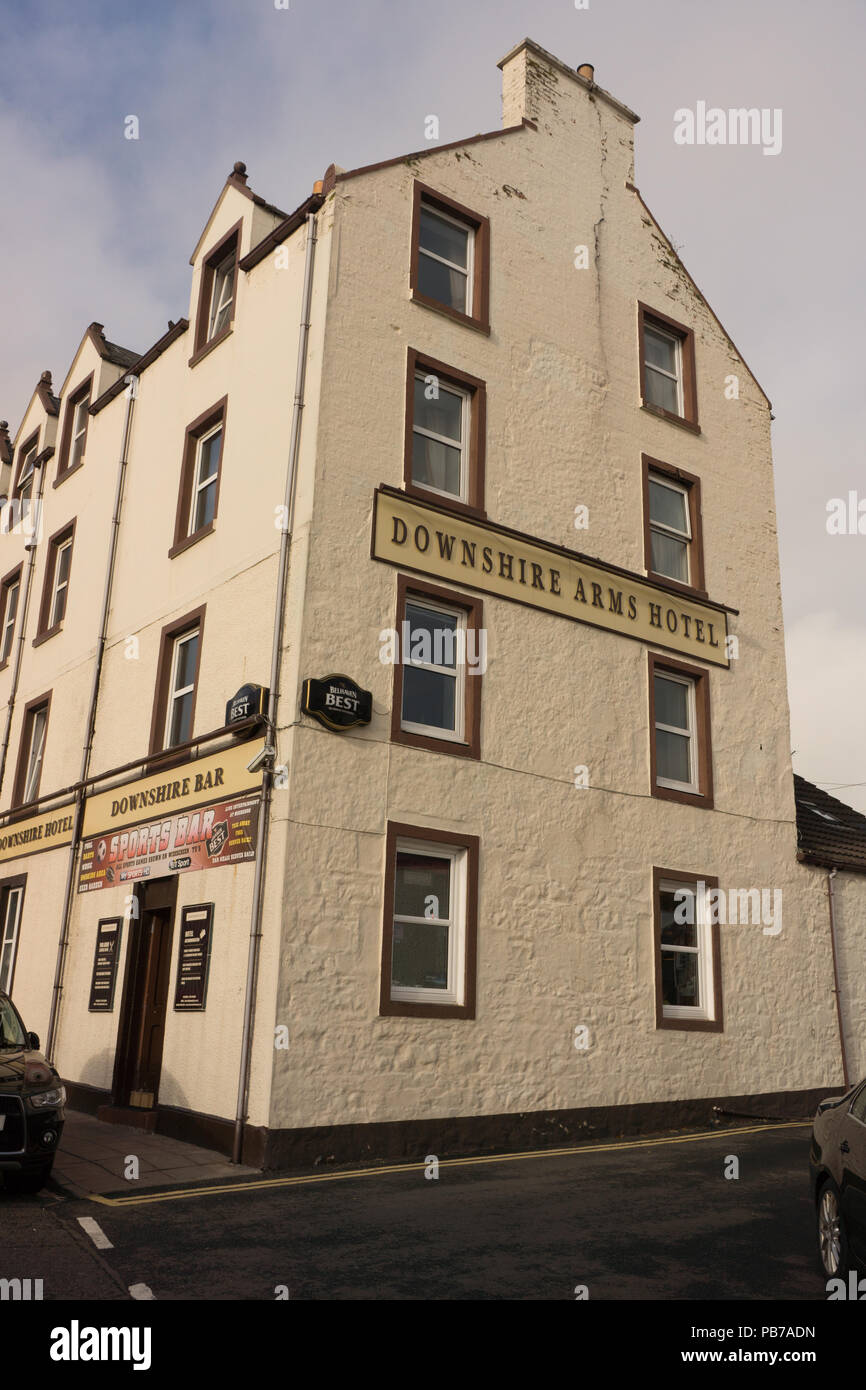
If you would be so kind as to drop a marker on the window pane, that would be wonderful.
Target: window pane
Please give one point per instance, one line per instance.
(432, 636)
(187, 652)
(439, 282)
(668, 506)
(671, 703)
(661, 391)
(659, 349)
(419, 957)
(6, 973)
(444, 238)
(672, 756)
(205, 507)
(429, 698)
(443, 415)
(435, 465)
(209, 456)
(63, 559)
(680, 978)
(669, 556)
(419, 877)
(676, 932)
(180, 728)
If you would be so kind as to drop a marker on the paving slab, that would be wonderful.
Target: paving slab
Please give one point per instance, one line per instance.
(91, 1158)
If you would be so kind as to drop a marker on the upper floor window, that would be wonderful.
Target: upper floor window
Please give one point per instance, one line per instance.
(445, 415)
(672, 511)
(667, 367)
(199, 478)
(450, 257)
(681, 752)
(173, 718)
(438, 669)
(74, 436)
(56, 586)
(217, 292)
(23, 488)
(34, 728)
(10, 591)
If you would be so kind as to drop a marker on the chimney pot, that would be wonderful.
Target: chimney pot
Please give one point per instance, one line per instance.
(586, 70)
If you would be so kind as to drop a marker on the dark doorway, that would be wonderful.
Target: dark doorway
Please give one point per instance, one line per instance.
(145, 996)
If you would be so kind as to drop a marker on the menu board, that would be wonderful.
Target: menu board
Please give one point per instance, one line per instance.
(105, 960)
(193, 958)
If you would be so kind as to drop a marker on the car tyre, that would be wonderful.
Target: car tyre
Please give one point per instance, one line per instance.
(832, 1237)
(30, 1181)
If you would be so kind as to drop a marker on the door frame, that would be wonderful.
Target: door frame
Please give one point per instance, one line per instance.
(149, 896)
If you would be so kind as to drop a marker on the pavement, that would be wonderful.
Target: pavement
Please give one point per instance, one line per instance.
(94, 1157)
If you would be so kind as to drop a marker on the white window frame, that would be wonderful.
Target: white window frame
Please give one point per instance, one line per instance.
(79, 431)
(197, 485)
(218, 301)
(463, 447)
(9, 620)
(457, 673)
(469, 269)
(454, 993)
(26, 476)
(59, 585)
(703, 950)
(15, 895)
(650, 326)
(34, 763)
(175, 693)
(660, 673)
(661, 480)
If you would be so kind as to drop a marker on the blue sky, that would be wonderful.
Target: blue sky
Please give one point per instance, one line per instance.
(99, 227)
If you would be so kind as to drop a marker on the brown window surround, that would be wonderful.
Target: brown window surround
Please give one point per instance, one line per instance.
(480, 226)
(82, 393)
(43, 631)
(7, 886)
(404, 1008)
(231, 242)
(169, 633)
(6, 585)
(659, 665)
(473, 608)
(31, 709)
(23, 451)
(696, 1025)
(183, 537)
(476, 442)
(689, 417)
(692, 484)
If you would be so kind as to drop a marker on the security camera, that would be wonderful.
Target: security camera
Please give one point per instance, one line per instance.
(264, 755)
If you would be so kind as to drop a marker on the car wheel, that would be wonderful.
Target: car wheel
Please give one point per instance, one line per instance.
(31, 1180)
(832, 1241)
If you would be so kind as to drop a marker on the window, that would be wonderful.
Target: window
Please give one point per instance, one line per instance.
(74, 436)
(10, 590)
(200, 478)
(34, 729)
(445, 434)
(26, 473)
(172, 722)
(449, 268)
(857, 1108)
(673, 539)
(431, 909)
(217, 292)
(667, 367)
(56, 585)
(11, 903)
(688, 956)
(680, 749)
(437, 669)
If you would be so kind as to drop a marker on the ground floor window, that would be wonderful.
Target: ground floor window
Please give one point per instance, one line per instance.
(11, 903)
(688, 965)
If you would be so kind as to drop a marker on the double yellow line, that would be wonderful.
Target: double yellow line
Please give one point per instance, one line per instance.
(344, 1175)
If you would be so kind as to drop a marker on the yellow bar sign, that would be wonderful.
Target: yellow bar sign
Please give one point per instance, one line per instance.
(509, 565)
(50, 830)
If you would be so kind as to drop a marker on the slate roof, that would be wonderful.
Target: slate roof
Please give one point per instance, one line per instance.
(829, 833)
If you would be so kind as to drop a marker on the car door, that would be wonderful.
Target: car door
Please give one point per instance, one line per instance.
(852, 1143)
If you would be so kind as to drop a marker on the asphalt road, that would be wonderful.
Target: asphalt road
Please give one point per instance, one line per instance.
(635, 1221)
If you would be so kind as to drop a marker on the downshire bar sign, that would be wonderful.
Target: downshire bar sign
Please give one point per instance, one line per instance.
(506, 564)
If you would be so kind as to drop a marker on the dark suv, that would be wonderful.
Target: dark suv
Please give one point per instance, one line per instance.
(32, 1098)
(838, 1166)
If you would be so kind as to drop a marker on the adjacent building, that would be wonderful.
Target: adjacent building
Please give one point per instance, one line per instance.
(455, 480)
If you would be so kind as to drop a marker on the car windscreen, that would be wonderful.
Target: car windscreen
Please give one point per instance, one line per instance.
(11, 1032)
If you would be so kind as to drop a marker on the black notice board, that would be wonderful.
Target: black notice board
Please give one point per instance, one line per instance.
(193, 958)
(105, 958)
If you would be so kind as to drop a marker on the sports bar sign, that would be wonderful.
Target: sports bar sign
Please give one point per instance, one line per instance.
(506, 564)
(172, 823)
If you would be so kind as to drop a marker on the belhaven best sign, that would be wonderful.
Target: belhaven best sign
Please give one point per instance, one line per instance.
(478, 555)
(172, 823)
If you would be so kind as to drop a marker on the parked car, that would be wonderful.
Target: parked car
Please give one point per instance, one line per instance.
(32, 1098)
(838, 1166)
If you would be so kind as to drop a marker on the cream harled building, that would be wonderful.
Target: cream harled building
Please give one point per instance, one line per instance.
(463, 436)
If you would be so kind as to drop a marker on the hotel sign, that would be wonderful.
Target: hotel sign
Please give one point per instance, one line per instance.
(50, 830)
(506, 564)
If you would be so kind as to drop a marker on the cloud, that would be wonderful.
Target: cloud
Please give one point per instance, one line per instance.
(827, 684)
